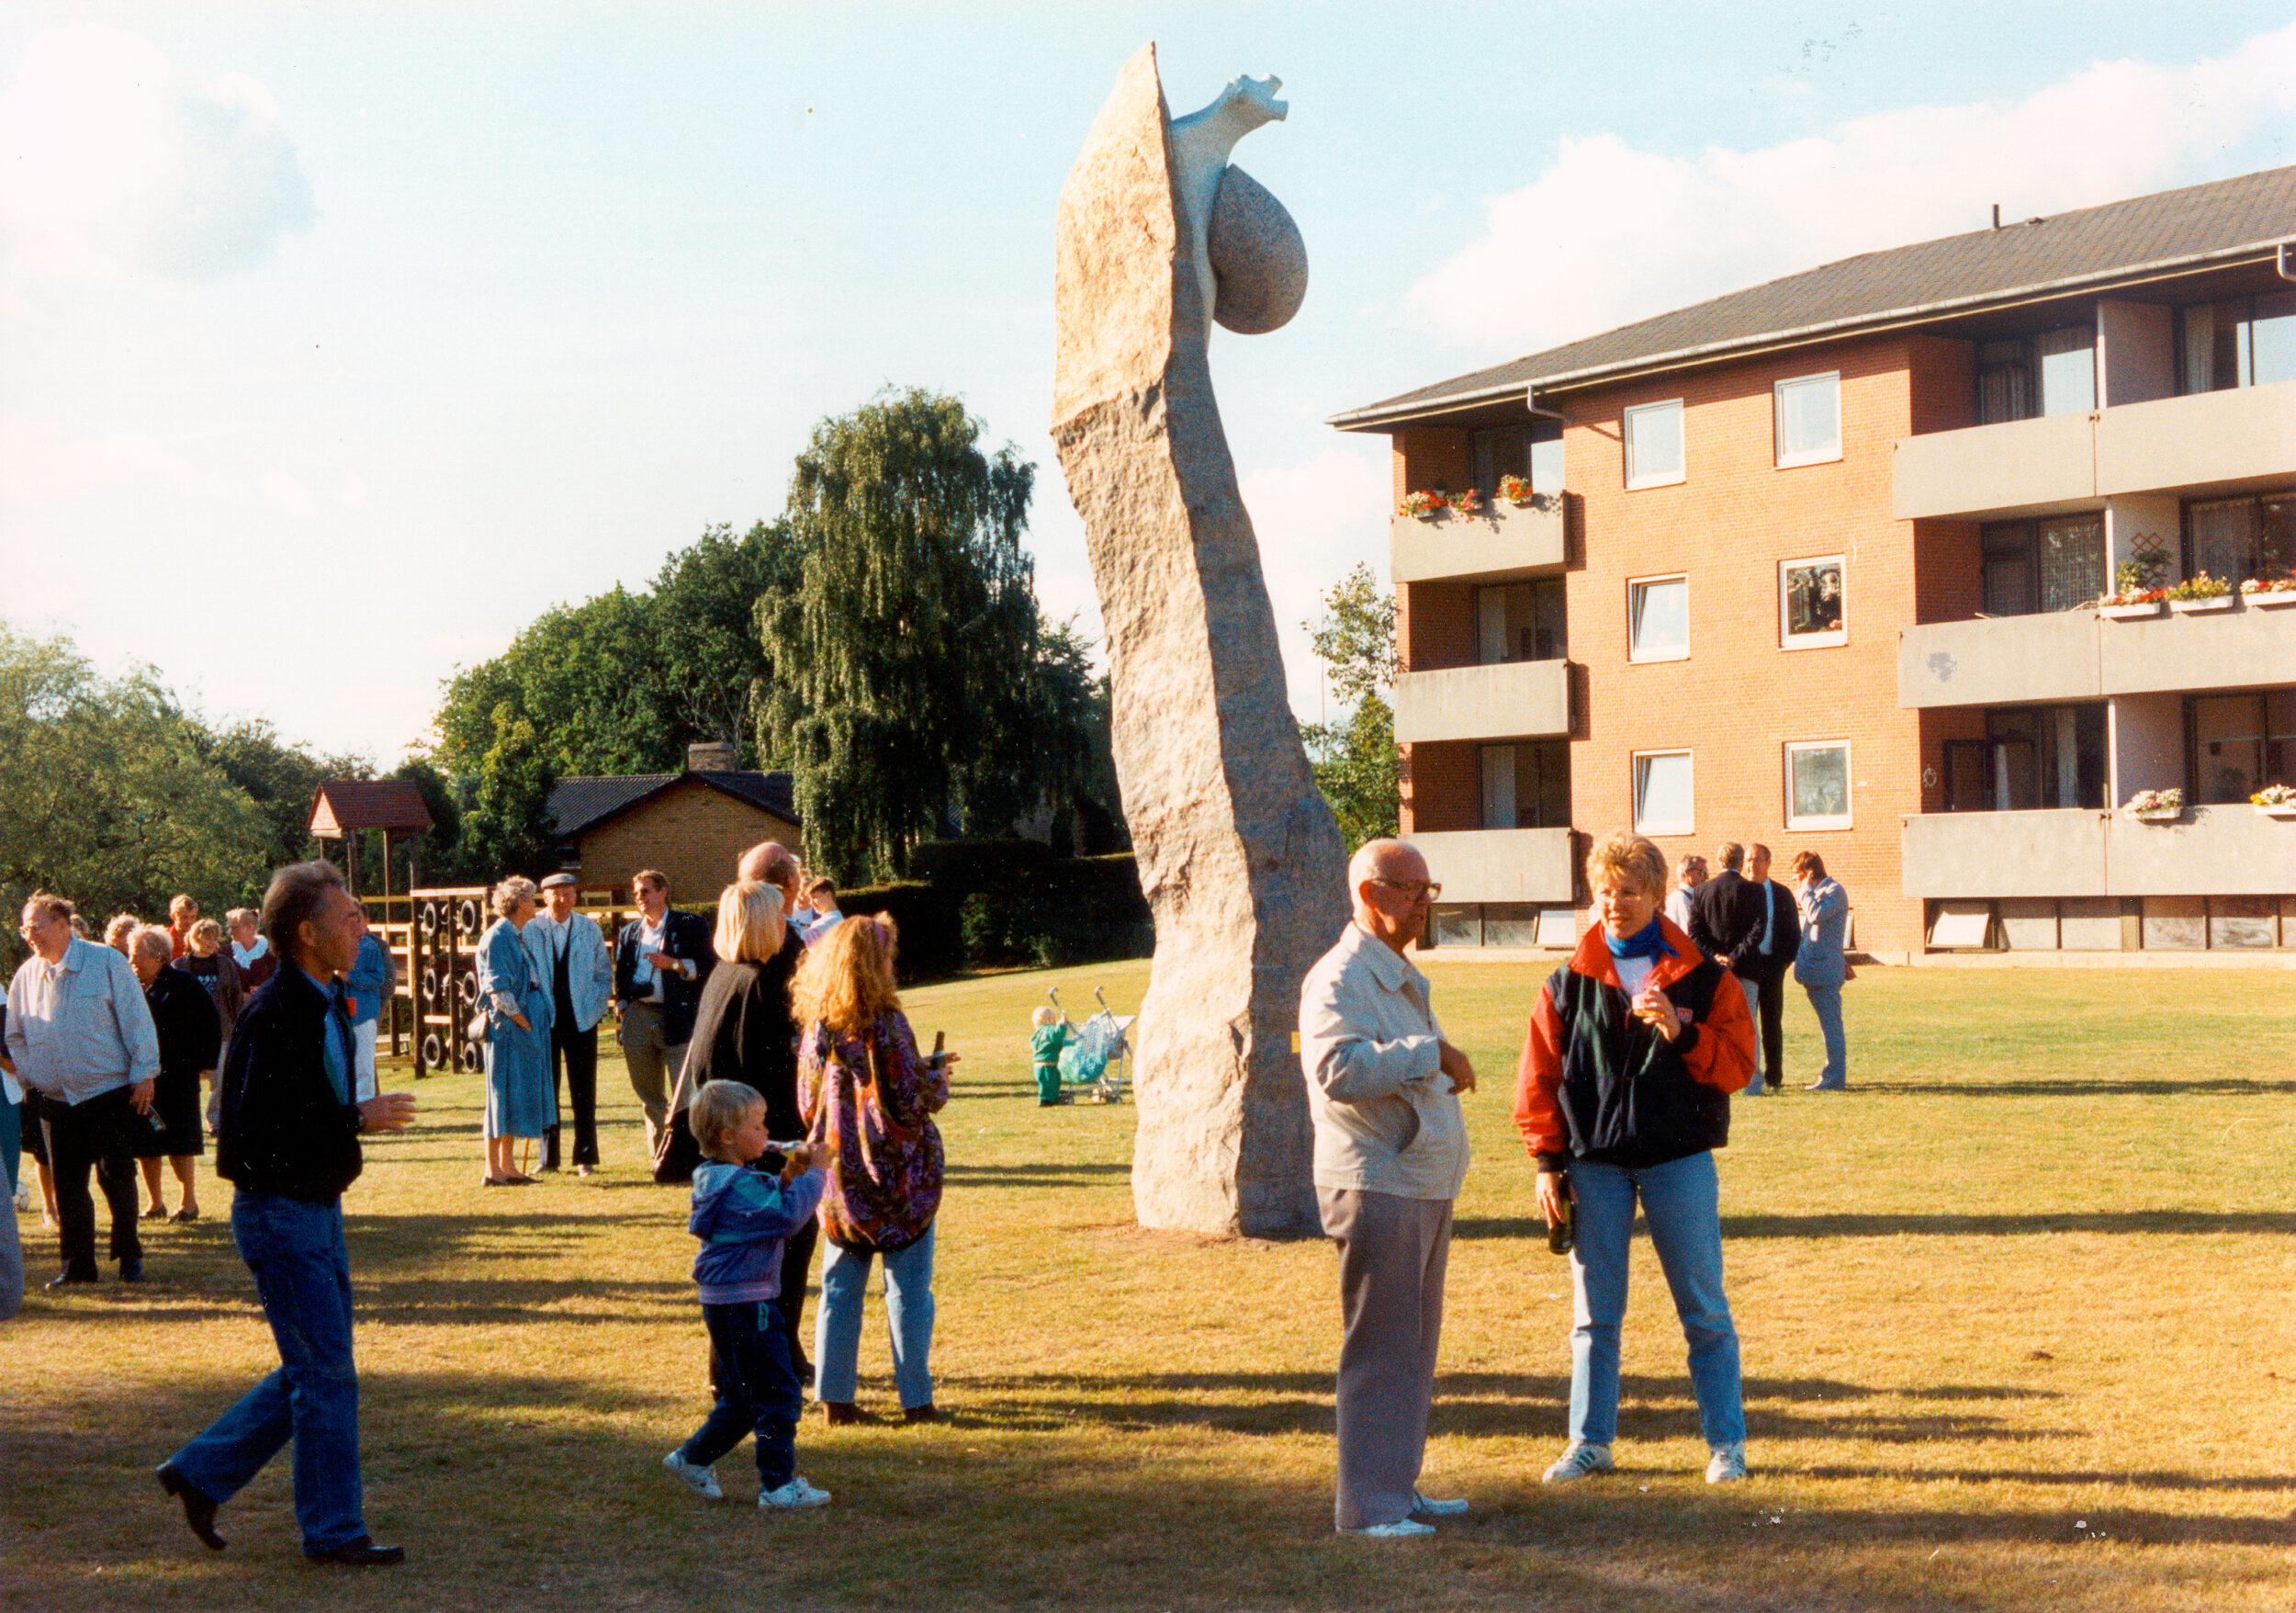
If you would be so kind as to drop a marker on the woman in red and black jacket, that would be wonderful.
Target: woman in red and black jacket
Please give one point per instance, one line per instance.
(1624, 1093)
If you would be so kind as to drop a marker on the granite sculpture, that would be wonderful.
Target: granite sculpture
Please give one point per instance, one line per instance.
(1159, 236)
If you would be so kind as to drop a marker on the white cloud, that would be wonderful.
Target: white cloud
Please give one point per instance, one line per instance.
(114, 160)
(1609, 233)
(1314, 521)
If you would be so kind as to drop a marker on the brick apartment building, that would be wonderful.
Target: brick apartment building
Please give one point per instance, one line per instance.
(1816, 564)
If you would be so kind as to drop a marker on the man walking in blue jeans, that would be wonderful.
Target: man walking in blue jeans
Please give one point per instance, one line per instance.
(289, 1141)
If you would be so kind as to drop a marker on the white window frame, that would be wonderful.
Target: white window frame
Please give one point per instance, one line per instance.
(1846, 818)
(1681, 473)
(1787, 637)
(1634, 795)
(1633, 652)
(1777, 417)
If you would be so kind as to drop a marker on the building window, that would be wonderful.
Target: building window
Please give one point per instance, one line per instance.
(1810, 604)
(1662, 793)
(2243, 342)
(2055, 565)
(1520, 621)
(2053, 372)
(1808, 413)
(1657, 619)
(1654, 444)
(2033, 758)
(2235, 540)
(1818, 784)
(1526, 784)
(2239, 743)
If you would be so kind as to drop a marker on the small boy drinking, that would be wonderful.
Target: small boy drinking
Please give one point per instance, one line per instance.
(741, 1213)
(1044, 1046)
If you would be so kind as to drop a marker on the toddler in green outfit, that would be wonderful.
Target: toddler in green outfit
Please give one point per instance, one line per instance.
(1044, 1046)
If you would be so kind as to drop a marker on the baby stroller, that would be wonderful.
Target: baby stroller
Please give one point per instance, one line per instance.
(1097, 1058)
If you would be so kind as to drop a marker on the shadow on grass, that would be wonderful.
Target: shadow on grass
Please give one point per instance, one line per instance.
(1765, 1225)
(2075, 1089)
(2149, 1479)
(1067, 1174)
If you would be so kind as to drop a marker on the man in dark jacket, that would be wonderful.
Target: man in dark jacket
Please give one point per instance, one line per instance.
(660, 959)
(289, 1140)
(1780, 939)
(1726, 920)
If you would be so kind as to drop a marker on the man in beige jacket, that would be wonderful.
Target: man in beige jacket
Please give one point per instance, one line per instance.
(1391, 1154)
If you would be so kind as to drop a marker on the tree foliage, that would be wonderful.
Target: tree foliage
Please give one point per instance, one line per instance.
(1354, 757)
(905, 687)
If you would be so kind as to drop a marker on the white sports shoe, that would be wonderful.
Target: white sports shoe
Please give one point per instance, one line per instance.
(1428, 1507)
(1582, 1460)
(1728, 1465)
(693, 1476)
(797, 1496)
(1403, 1528)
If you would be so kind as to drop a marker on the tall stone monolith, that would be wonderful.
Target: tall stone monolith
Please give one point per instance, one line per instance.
(1239, 856)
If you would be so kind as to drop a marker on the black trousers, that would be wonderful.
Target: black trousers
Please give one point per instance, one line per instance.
(574, 1062)
(797, 1262)
(1773, 1000)
(97, 1133)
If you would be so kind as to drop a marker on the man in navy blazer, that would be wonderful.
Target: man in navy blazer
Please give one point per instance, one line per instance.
(1781, 938)
(660, 959)
(571, 955)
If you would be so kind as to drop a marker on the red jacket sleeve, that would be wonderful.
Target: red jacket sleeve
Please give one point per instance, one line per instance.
(1722, 1056)
(1538, 1076)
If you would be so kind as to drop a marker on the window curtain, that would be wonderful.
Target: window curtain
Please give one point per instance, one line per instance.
(2199, 348)
(2224, 540)
(2072, 563)
(2068, 369)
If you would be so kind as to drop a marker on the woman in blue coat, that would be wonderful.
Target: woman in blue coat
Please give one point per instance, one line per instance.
(520, 1099)
(1822, 964)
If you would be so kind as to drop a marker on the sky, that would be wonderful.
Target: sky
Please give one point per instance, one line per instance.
(339, 341)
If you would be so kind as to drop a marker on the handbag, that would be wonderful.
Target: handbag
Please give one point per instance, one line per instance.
(479, 1026)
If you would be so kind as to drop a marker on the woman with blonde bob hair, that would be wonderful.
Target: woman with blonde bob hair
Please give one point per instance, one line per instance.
(869, 1100)
(1623, 1094)
(521, 1100)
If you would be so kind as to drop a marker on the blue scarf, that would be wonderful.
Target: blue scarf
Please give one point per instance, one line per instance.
(1646, 943)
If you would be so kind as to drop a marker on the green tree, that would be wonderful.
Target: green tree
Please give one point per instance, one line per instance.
(281, 777)
(1354, 758)
(904, 665)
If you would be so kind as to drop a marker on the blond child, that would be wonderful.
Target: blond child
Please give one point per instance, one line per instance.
(1044, 1046)
(742, 1212)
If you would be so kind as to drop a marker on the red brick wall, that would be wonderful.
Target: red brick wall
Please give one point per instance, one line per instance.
(1442, 787)
(1428, 458)
(1434, 625)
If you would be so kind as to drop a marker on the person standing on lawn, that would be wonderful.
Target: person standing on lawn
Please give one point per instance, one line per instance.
(578, 970)
(1781, 940)
(289, 1141)
(1624, 1093)
(1390, 1155)
(1823, 963)
(661, 960)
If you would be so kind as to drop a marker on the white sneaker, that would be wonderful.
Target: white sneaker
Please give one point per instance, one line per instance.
(693, 1476)
(1582, 1460)
(1403, 1528)
(1428, 1506)
(1727, 1464)
(797, 1496)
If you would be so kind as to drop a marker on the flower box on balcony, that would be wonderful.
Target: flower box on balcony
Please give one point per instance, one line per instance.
(2158, 816)
(2287, 810)
(2130, 613)
(2193, 607)
(2270, 601)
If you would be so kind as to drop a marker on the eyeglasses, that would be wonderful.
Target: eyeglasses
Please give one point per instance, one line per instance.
(1413, 889)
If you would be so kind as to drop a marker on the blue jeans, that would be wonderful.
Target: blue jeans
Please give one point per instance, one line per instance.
(1825, 1002)
(303, 1275)
(908, 1317)
(1682, 1203)
(757, 1393)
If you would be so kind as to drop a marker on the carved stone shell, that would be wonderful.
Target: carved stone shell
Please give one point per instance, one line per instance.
(1257, 257)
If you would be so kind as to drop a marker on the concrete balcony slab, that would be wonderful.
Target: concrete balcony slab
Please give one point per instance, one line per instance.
(2213, 850)
(2239, 649)
(2027, 466)
(1499, 865)
(2210, 442)
(1516, 700)
(1506, 542)
(2003, 660)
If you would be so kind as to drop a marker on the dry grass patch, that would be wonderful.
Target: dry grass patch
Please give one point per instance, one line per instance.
(2016, 1325)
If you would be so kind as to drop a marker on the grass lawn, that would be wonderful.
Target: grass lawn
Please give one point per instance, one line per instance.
(2016, 1318)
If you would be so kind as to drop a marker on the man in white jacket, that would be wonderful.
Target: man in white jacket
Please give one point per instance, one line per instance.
(570, 951)
(1391, 1154)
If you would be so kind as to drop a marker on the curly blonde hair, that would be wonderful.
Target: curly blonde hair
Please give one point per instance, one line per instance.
(846, 982)
(1631, 859)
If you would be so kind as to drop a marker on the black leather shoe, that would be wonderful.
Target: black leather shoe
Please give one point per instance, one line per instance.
(132, 1271)
(198, 1511)
(69, 1279)
(362, 1553)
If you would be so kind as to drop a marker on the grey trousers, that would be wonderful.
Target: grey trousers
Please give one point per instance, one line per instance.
(654, 1067)
(11, 1259)
(1392, 1255)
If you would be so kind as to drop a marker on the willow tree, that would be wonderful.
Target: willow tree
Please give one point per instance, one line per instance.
(903, 663)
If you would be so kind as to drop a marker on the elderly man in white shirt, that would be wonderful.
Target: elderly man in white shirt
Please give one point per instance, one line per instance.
(1391, 1154)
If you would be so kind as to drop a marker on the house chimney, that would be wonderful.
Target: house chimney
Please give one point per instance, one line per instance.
(713, 756)
(1997, 215)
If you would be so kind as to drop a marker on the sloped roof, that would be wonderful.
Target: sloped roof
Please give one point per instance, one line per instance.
(579, 804)
(2124, 240)
(348, 804)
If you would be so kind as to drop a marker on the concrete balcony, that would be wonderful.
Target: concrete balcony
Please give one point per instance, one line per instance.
(1515, 700)
(2213, 850)
(1501, 864)
(1506, 542)
(2077, 655)
(2210, 442)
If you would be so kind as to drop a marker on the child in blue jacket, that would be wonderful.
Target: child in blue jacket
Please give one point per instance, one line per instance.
(741, 1213)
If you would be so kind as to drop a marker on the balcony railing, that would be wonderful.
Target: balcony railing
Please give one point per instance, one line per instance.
(1505, 541)
(1499, 865)
(2213, 850)
(2077, 655)
(2243, 437)
(1514, 700)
